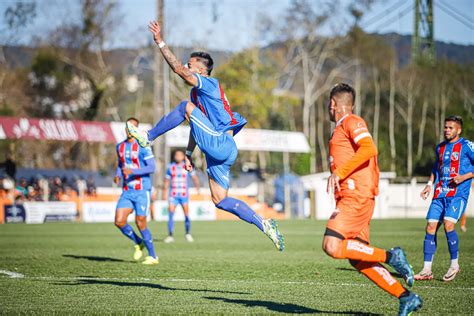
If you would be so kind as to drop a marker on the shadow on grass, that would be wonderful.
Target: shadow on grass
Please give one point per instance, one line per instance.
(394, 274)
(141, 284)
(95, 258)
(283, 307)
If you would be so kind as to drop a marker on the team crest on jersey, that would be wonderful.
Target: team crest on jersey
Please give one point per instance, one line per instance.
(455, 157)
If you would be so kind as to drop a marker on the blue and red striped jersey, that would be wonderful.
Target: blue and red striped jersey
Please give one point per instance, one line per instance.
(209, 96)
(179, 179)
(453, 159)
(133, 156)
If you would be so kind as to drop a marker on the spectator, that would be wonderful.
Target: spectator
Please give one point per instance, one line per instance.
(9, 165)
(22, 188)
(91, 188)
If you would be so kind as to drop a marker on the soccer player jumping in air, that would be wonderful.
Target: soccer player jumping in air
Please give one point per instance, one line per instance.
(452, 175)
(176, 191)
(354, 180)
(213, 126)
(135, 165)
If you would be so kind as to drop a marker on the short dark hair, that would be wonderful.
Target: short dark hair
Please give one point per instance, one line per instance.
(343, 88)
(133, 119)
(454, 118)
(206, 59)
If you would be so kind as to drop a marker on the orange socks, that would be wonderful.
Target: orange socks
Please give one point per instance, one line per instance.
(380, 276)
(355, 250)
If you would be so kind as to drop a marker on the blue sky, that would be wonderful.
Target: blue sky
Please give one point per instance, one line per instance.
(233, 24)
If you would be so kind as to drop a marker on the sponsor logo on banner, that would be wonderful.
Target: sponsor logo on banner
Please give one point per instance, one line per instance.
(198, 211)
(14, 214)
(41, 212)
(101, 212)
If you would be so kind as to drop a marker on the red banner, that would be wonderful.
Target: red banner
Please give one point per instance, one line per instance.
(59, 130)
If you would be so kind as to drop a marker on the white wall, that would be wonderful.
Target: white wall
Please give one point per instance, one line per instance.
(394, 200)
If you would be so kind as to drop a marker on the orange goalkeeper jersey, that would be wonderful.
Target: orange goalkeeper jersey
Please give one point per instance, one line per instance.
(350, 132)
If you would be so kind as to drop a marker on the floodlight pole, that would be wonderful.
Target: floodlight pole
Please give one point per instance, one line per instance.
(159, 148)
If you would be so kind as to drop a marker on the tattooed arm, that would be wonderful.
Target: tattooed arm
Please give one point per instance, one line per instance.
(170, 58)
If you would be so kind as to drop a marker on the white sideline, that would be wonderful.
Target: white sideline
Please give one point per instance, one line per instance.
(12, 274)
(52, 278)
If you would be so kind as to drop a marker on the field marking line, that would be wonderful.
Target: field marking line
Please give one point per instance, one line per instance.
(11, 274)
(177, 280)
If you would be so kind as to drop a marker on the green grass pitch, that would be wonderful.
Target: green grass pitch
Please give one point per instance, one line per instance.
(231, 269)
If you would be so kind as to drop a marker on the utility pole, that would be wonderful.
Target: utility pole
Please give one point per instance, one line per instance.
(423, 46)
(158, 100)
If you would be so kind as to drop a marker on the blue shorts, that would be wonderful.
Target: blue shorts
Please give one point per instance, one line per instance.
(139, 201)
(219, 147)
(450, 209)
(177, 200)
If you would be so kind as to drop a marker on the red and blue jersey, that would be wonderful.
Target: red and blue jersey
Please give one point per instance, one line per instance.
(179, 180)
(453, 159)
(141, 160)
(210, 98)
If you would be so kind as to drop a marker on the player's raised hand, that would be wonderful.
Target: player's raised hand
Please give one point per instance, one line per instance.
(155, 29)
(426, 192)
(188, 164)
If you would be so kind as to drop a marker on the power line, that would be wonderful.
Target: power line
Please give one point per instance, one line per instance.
(453, 15)
(382, 14)
(467, 18)
(395, 18)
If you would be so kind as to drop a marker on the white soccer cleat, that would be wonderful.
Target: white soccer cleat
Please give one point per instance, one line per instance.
(424, 274)
(138, 134)
(451, 274)
(189, 238)
(270, 228)
(169, 239)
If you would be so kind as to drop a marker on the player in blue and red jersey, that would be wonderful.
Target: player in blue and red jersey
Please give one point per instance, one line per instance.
(176, 191)
(135, 166)
(452, 176)
(213, 126)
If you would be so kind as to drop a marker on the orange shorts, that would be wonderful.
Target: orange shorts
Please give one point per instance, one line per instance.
(351, 219)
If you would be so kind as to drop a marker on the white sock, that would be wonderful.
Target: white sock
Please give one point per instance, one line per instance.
(454, 263)
(427, 265)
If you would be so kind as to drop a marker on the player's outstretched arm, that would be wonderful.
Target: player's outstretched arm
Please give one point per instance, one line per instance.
(170, 58)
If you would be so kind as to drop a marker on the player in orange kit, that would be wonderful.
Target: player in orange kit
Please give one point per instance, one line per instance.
(354, 181)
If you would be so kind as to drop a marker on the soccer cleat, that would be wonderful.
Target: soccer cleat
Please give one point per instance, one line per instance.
(424, 274)
(188, 238)
(150, 261)
(168, 239)
(399, 262)
(451, 274)
(137, 255)
(270, 228)
(409, 304)
(138, 134)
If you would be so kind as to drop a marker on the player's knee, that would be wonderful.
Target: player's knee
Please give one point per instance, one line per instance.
(141, 222)
(449, 226)
(330, 248)
(120, 223)
(431, 227)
